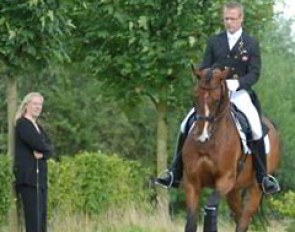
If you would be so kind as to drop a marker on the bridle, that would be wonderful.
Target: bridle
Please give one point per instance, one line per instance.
(213, 118)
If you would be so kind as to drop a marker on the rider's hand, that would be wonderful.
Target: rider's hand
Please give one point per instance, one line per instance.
(232, 85)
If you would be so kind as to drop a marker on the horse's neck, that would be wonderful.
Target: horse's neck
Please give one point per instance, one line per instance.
(225, 120)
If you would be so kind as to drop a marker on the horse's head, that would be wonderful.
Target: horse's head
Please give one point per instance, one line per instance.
(211, 98)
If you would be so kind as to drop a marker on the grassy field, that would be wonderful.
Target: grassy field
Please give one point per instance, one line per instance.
(136, 221)
(132, 220)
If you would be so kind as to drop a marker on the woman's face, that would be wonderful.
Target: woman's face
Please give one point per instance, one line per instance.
(34, 107)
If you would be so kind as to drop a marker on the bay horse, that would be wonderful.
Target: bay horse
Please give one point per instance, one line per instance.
(212, 153)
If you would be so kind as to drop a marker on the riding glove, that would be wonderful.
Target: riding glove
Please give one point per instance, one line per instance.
(232, 85)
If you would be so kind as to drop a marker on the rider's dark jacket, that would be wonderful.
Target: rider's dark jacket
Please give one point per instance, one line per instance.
(244, 59)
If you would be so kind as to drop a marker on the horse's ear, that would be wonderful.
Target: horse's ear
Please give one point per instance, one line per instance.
(196, 71)
(225, 72)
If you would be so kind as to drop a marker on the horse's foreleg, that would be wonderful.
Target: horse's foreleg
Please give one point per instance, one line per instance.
(251, 206)
(234, 201)
(211, 212)
(191, 208)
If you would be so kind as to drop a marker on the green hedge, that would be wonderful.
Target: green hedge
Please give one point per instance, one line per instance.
(5, 186)
(94, 182)
(88, 182)
(284, 204)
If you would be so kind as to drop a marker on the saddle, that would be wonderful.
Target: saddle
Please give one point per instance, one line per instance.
(244, 123)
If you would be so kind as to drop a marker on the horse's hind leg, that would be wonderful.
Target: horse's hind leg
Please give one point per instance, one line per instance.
(192, 199)
(234, 201)
(251, 206)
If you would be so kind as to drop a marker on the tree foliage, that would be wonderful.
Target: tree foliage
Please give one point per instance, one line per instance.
(31, 32)
(276, 91)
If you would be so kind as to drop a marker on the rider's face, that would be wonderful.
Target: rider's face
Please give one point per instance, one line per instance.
(232, 19)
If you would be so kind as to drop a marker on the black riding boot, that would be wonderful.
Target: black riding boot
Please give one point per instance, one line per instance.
(268, 183)
(173, 175)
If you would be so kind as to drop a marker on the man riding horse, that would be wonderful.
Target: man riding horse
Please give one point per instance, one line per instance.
(236, 50)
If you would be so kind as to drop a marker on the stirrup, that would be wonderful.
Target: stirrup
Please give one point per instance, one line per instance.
(160, 177)
(276, 183)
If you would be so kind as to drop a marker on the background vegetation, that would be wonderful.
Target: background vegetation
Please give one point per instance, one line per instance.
(116, 80)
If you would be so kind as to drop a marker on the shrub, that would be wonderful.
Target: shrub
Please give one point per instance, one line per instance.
(93, 182)
(5, 183)
(284, 205)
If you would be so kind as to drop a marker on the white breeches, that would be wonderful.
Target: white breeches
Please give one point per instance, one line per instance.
(243, 102)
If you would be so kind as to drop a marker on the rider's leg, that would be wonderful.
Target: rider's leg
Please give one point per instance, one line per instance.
(243, 102)
(173, 175)
(267, 182)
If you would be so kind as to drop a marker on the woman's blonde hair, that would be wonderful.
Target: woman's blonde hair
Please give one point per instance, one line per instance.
(22, 108)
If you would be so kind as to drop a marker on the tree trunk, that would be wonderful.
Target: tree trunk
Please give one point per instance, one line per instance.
(11, 110)
(162, 138)
(14, 219)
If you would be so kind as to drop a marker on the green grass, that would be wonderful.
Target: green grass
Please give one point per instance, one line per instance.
(135, 220)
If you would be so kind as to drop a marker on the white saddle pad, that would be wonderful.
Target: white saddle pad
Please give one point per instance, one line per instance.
(246, 148)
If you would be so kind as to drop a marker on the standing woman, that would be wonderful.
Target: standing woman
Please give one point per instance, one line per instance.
(32, 149)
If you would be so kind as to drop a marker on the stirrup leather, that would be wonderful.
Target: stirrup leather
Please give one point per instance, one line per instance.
(272, 179)
(162, 175)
